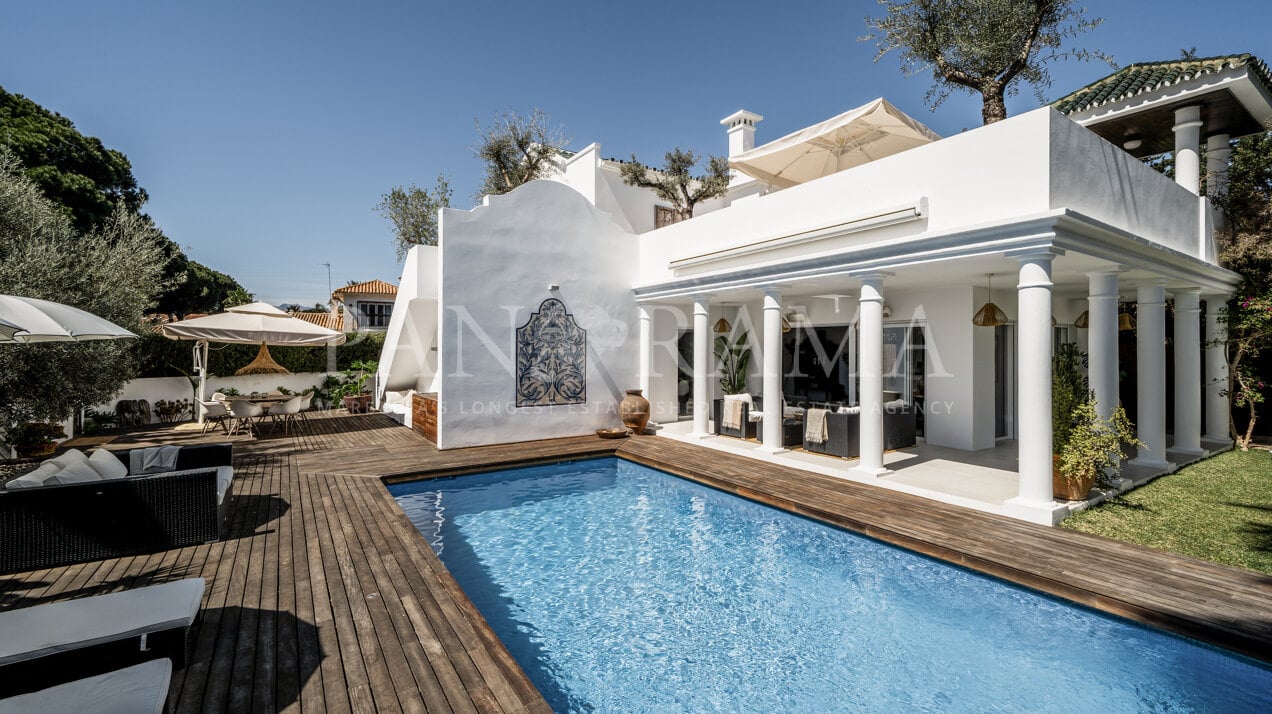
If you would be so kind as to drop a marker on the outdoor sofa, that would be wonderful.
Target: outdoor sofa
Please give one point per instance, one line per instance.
(843, 430)
(75, 508)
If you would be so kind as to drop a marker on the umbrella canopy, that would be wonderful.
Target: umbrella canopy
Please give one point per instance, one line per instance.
(47, 321)
(7, 330)
(257, 323)
(856, 137)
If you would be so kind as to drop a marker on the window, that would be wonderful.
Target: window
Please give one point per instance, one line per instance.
(374, 314)
(664, 216)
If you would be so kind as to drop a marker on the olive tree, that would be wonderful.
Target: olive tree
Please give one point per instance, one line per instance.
(517, 149)
(413, 213)
(114, 271)
(675, 184)
(981, 46)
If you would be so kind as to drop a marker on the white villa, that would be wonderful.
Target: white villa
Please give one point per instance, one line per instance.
(853, 256)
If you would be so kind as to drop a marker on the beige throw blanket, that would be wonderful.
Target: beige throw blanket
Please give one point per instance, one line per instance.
(152, 460)
(815, 426)
(732, 417)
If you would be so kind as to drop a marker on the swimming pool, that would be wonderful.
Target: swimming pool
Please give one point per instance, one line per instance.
(621, 588)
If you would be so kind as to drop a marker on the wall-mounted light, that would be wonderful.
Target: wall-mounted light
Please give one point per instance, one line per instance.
(1132, 143)
(553, 287)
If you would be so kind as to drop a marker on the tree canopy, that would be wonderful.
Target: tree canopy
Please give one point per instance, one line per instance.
(517, 149)
(114, 270)
(87, 182)
(413, 213)
(981, 46)
(675, 184)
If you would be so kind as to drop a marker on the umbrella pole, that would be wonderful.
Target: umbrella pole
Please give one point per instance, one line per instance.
(201, 364)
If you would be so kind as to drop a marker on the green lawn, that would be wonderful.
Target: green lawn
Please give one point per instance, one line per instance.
(1218, 510)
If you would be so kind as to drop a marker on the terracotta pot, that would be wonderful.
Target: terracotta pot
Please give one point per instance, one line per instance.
(1067, 488)
(357, 404)
(634, 411)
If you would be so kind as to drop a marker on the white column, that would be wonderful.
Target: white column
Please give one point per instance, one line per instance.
(773, 371)
(646, 349)
(1188, 148)
(1033, 349)
(701, 367)
(1188, 371)
(870, 329)
(1150, 377)
(1217, 406)
(1102, 340)
(1217, 154)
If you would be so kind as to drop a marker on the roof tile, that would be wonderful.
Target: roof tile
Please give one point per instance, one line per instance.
(1148, 76)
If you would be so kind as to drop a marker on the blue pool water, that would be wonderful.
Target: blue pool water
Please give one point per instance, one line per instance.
(621, 588)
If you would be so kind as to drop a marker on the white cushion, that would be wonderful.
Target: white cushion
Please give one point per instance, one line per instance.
(895, 404)
(394, 397)
(72, 456)
(743, 397)
(224, 475)
(139, 689)
(31, 480)
(75, 473)
(849, 410)
(107, 464)
(42, 630)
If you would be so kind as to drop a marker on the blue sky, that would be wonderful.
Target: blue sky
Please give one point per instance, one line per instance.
(265, 132)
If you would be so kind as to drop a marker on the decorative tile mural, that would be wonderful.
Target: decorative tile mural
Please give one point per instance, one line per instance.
(551, 358)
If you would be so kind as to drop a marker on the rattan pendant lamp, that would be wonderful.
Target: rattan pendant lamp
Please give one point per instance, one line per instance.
(990, 315)
(1125, 323)
(263, 364)
(722, 326)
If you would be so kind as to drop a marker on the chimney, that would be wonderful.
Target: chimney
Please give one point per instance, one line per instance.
(741, 129)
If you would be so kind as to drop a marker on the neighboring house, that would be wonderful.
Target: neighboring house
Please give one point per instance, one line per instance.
(857, 283)
(365, 306)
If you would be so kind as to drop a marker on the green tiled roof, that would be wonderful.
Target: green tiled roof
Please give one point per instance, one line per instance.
(1148, 76)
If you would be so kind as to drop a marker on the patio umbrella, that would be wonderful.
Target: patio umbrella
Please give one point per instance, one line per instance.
(7, 330)
(853, 138)
(257, 323)
(47, 321)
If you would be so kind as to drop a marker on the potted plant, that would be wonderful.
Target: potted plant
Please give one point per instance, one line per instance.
(733, 356)
(34, 438)
(1084, 447)
(351, 393)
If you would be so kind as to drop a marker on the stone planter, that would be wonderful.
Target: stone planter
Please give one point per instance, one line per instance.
(634, 411)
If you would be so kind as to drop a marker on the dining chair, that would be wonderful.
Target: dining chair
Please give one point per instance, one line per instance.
(286, 413)
(244, 414)
(215, 412)
(306, 403)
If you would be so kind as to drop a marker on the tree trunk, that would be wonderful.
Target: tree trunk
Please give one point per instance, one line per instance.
(994, 105)
(1249, 434)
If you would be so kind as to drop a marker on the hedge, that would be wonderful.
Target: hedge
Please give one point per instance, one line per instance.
(158, 356)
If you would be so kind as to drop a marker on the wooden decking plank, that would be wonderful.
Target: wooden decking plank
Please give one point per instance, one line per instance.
(413, 678)
(455, 619)
(265, 649)
(334, 688)
(433, 665)
(345, 598)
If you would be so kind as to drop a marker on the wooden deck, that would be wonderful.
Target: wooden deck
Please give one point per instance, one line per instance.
(323, 597)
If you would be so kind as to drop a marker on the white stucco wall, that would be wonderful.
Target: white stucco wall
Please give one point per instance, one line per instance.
(969, 179)
(153, 389)
(498, 262)
(408, 359)
(1094, 177)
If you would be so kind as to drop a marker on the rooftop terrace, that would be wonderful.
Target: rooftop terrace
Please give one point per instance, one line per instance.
(323, 597)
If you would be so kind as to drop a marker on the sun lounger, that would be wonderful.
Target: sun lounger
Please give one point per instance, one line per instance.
(46, 643)
(140, 689)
